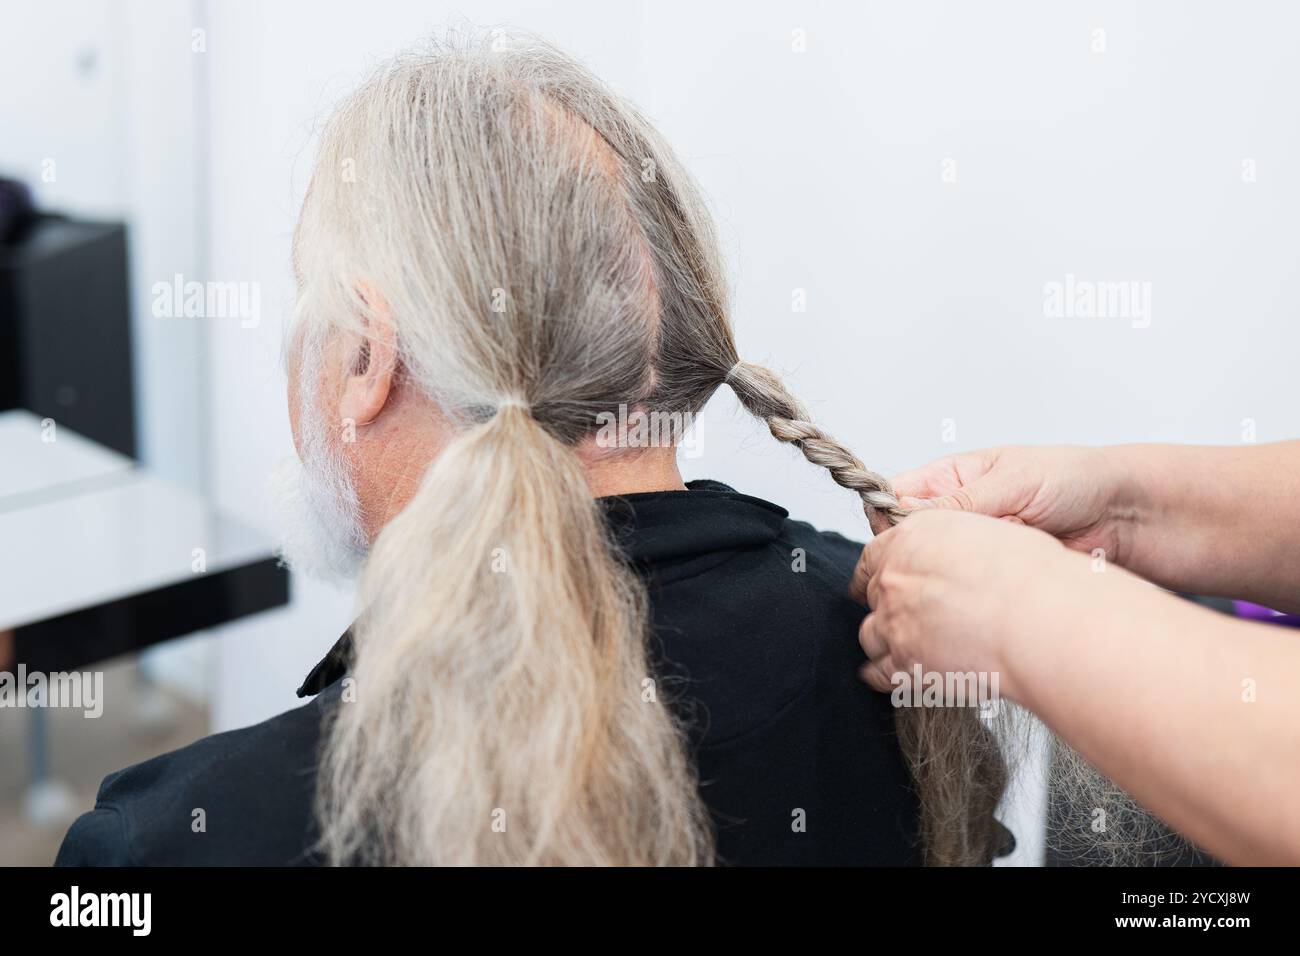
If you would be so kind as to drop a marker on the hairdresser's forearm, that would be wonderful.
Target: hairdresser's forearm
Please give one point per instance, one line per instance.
(1211, 520)
(1195, 714)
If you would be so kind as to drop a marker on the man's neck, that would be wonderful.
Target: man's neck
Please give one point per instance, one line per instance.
(628, 473)
(406, 453)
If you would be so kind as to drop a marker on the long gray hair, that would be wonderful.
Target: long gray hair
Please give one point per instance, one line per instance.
(545, 259)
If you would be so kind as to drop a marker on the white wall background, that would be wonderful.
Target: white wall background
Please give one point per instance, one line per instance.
(97, 116)
(826, 169)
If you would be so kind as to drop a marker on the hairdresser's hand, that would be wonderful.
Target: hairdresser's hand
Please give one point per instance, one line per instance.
(950, 591)
(1071, 493)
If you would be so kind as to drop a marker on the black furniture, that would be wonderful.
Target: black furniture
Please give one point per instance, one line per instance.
(65, 328)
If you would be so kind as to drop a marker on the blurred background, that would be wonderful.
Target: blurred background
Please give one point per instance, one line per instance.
(907, 194)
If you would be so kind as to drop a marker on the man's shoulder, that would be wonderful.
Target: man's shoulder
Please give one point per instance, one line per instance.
(831, 547)
(240, 797)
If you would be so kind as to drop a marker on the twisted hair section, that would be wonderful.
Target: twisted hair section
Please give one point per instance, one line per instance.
(956, 761)
(960, 761)
(766, 398)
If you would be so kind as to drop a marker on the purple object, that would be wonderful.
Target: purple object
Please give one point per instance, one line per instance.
(1257, 612)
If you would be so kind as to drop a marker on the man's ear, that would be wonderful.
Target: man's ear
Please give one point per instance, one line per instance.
(368, 380)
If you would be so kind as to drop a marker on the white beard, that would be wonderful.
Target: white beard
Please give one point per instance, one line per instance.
(321, 533)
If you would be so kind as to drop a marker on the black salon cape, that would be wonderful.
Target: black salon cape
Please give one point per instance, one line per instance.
(755, 643)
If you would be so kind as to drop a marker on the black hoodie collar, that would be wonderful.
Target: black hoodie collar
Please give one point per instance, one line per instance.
(660, 528)
(666, 534)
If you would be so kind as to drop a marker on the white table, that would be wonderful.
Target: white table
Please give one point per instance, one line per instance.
(82, 527)
(99, 558)
(41, 461)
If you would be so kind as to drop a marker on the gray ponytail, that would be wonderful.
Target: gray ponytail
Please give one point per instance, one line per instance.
(500, 714)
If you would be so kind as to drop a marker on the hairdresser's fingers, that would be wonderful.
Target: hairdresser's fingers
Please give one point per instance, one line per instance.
(962, 499)
(870, 637)
(879, 674)
(928, 481)
(996, 495)
(967, 482)
(944, 475)
(868, 563)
